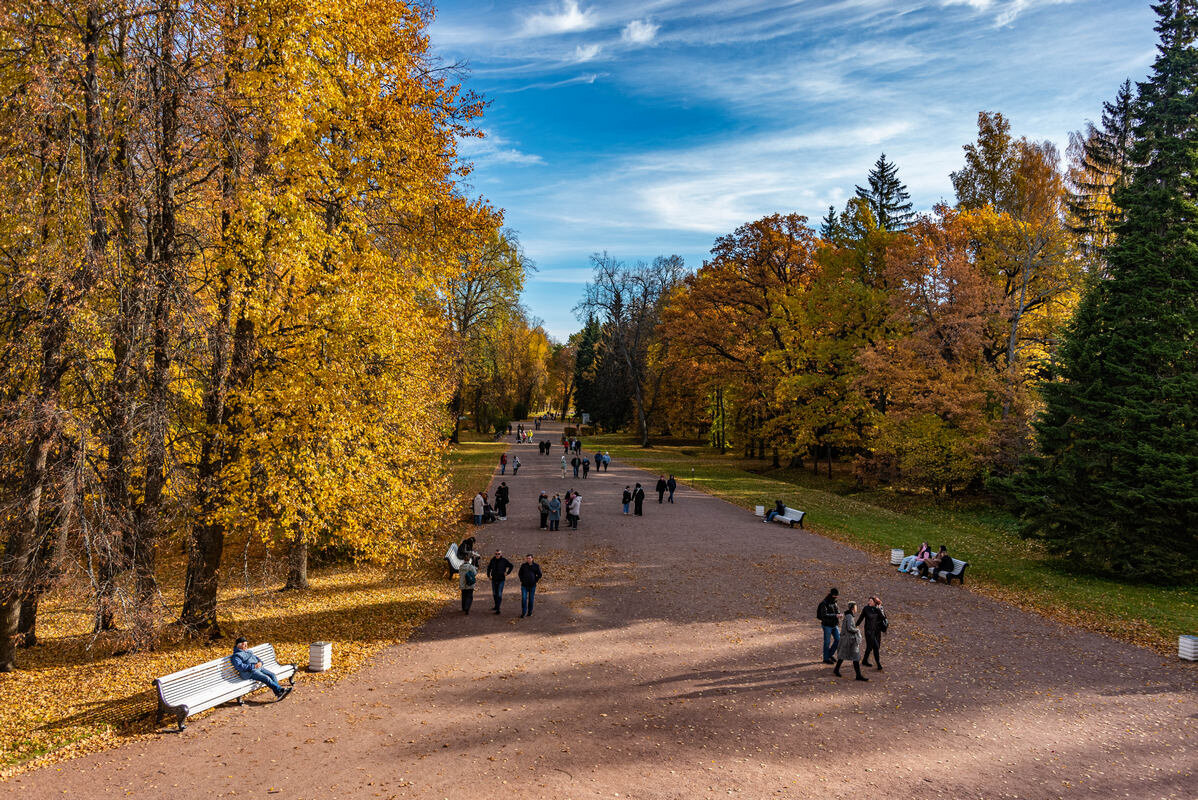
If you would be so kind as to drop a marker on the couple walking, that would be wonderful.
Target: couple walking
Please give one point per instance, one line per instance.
(843, 634)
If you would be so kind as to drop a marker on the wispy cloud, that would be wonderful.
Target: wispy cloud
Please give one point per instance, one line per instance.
(587, 52)
(495, 149)
(640, 31)
(587, 78)
(567, 17)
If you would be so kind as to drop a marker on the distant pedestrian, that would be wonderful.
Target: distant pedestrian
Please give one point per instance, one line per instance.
(502, 497)
(575, 511)
(555, 513)
(563, 467)
(874, 623)
(661, 488)
(626, 499)
(478, 504)
(576, 462)
(503, 464)
(850, 643)
(530, 576)
(515, 465)
(606, 460)
(543, 508)
(498, 568)
(586, 466)
(467, 577)
(671, 487)
(829, 618)
(638, 501)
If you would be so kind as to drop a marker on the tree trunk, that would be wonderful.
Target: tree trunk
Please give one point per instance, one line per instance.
(297, 563)
(27, 626)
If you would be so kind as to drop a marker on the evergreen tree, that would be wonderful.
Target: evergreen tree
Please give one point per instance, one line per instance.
(887, 196)
(829, 228)
(1100, 164)
(1115, 486)
(585, 361)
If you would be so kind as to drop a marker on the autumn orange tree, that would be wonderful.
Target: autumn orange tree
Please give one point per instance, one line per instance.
(230, 236)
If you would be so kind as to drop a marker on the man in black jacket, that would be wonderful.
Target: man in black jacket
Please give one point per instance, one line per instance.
(530, 576)
(502, 495)
(873, 619)
(829, 618)
(576, 462)
(498, 568)
(661, 488)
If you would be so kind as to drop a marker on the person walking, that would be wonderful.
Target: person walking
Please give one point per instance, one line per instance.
(661, 488)
(575, 462)
(671, 487)
(850, 643)
(467, 577)
(530, 576)
(563, 467)
(555, 513)
(479, 504)
(829, 617)
(873, 620)
(606, 460)
(515, 465)
(503, 464)
(502, 495)
(586, 466)
(543, 507)
(498, 568)
(575, 510)
(626, 499)
(638, 501)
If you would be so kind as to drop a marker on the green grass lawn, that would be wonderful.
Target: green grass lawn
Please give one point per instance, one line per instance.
(1002, 564)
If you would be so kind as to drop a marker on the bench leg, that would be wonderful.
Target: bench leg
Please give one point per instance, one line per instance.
(180, 717)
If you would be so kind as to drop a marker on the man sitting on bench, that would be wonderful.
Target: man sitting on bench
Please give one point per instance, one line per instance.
(778, 510)
(250, 668)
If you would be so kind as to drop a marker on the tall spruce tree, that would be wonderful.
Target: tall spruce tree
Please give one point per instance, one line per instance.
(887, 196)
(1115, 486)
(1100, 157)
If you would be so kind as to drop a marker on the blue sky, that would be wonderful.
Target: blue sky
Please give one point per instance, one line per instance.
(649, 128)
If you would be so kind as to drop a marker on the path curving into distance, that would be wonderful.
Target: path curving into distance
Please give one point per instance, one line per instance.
(678, 656)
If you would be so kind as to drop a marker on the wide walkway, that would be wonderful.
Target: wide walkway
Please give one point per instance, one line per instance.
(677, 656)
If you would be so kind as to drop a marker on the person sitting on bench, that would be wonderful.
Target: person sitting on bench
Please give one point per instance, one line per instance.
(249, 667)
(778, 510)
(928, 567)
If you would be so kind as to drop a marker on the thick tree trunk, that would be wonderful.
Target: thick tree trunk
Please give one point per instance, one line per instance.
(297, 563)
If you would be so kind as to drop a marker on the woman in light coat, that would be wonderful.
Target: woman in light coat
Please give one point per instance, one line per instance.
(575, 511)
(850, 642)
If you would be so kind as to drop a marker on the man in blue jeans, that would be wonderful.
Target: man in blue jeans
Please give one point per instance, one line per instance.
(829, 618)
(530, 575)
(249, 667)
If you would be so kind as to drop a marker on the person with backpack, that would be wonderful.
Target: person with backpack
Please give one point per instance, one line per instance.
(873, 620)
(498, 568)
(829, 618)
(530, 576)
(467, 577)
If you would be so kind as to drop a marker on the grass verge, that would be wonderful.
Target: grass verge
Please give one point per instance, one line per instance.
(77, 693)
(1002, 564)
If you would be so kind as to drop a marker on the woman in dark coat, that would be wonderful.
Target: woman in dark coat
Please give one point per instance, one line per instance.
(638, 501)
(850, 643)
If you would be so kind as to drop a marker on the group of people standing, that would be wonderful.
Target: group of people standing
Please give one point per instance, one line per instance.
(843, 632)
(551, 510)
(498, 568)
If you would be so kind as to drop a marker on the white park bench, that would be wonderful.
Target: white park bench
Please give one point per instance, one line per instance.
(197, 689)
(958, 572)
(451, 558)
(791, 517)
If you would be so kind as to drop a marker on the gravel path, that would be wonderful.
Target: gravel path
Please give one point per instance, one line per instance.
(677, 656)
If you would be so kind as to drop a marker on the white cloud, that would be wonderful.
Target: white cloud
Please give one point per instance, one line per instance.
(589, 77)
(640, 31)
(565, 18)
(495, 149)
(587, 52)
